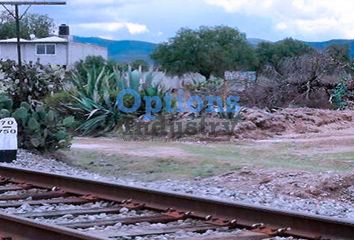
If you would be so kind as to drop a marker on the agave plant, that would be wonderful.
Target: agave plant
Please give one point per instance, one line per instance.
(98, 117)
(129, 79)
(95, 100)
(98, 85)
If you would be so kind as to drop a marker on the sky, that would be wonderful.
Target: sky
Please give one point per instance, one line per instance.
(159, 20)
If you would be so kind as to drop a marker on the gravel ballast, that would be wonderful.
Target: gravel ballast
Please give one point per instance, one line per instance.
(263, 196)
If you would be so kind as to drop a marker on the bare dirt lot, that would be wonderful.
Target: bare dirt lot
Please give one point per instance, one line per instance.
(317, 163)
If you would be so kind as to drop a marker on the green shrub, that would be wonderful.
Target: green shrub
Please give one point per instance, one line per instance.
(140, 64)
(23, 90)
(97, 62)
(5, 102)
(58, 101)
(339, 96)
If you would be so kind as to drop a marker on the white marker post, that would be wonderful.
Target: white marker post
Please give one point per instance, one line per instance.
(8, 139)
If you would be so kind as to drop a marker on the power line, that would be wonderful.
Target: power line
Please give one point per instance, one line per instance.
(33, 2)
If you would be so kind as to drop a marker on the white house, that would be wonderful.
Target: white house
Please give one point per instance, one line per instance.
(51, 50)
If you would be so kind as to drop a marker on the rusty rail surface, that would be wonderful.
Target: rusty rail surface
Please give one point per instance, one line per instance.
(258, 220)
(14, 227)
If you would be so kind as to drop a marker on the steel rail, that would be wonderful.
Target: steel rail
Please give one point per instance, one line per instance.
(19, 228)
(286, 223)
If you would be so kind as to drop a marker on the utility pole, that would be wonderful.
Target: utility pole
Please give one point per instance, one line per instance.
(18, 35)
(19, 17)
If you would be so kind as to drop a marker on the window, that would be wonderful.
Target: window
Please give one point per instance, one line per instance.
(40, 49)
(45, 49)
(50, 49)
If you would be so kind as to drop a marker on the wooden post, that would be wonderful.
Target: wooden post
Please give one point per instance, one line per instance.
(18, 36)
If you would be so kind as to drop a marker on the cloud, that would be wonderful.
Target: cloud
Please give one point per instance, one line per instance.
(281, 26)
(144, 19)
(248, 6)
(108, 37)
(133, 28)
(311, 18)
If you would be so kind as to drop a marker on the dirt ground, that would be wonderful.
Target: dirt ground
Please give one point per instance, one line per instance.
(262, 124)
(317, 163)
(302, 184)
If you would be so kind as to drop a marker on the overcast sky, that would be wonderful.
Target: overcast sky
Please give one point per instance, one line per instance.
(157, 20)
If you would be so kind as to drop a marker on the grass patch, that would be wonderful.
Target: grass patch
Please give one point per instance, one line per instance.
(202, 160)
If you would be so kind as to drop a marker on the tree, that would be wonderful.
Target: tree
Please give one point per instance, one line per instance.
(90, 62)
(208, 51)
(274, 53)
(340, 53)
(136, 64)
(37, 24)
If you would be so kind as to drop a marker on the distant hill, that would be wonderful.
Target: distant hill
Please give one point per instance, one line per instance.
(256, 41)
(316, 45)
(128, 50)
(122, 51)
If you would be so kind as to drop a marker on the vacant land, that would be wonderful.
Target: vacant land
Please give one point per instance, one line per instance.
(302, 153)
(317, 164)
(155, 160)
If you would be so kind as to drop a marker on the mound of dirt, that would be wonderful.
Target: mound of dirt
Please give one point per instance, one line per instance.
(261, 124)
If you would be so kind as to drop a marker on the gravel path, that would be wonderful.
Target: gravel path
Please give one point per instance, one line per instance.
(262, 196)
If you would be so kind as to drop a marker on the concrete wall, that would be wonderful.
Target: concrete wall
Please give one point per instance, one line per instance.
(64, 55)
(9, 51)
(176, 82)
(78, 51)
(239, 80)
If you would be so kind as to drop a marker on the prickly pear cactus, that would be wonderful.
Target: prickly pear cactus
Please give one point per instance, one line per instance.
(40, 128)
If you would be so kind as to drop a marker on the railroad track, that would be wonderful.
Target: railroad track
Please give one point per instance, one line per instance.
(37, 205)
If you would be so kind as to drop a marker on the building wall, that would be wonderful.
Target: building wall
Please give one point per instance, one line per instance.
(64, 55)
(78, 51)
(28, 51)
(9, 51)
